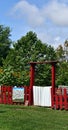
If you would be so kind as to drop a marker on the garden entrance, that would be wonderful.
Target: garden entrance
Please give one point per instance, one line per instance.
(59, 96)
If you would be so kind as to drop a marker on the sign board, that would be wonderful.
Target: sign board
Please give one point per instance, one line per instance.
(18, 94)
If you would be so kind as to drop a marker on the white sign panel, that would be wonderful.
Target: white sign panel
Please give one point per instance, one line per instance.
(18, 94)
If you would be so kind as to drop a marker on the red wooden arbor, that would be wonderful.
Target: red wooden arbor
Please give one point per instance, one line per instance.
(59, 96)
(32, 71)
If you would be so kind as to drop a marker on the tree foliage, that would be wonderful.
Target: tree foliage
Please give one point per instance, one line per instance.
(62, 74)
(62, 67)
(5, 42)
(28, 49)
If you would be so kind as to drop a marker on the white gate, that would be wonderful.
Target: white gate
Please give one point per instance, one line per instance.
(42, 96)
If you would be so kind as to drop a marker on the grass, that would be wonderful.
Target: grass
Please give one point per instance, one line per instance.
(18, 117)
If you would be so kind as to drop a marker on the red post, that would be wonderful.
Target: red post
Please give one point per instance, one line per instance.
(32, 71)
(53, 78)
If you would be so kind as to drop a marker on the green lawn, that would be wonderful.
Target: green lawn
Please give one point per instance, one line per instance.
(32, 118)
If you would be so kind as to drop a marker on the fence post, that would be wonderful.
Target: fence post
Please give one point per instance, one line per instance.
(65, 99)
(61, 101)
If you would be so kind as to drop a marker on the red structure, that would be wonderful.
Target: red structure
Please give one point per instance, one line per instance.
(59, 96)
(6, 95)
(32, 71)
(60, 99)
(6, 91)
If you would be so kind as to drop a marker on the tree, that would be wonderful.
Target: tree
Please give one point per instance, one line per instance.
(29, 48)
(62, 67)
(60, 52)
(66, 50)
(62, 74)
(5, 42)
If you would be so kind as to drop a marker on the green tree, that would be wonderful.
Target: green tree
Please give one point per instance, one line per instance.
(5, 42)
(60, 52)
(62, 67)
(66, 50)
(28, 49)
(62, 74)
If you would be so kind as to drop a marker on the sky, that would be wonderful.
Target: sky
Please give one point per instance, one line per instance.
(47, 18)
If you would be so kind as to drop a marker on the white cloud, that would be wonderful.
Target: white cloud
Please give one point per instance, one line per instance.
(55, 11)
(41, 19)
(57, 39)
(44, 37)
(29, 12)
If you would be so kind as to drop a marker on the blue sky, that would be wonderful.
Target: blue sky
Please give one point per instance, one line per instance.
(47, 18)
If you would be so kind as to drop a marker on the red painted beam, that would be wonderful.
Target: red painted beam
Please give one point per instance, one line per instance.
(32, 71)
(53, 78)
